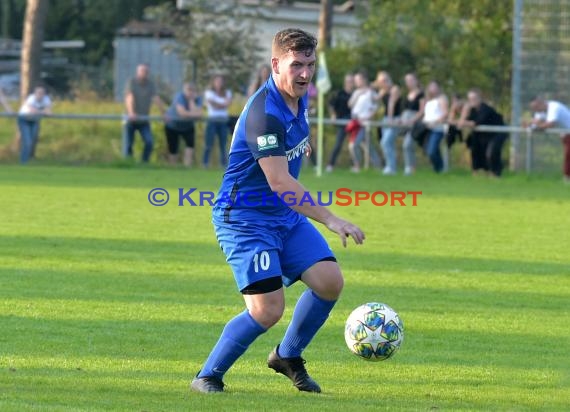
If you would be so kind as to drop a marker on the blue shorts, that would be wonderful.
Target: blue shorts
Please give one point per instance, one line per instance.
(255, 252)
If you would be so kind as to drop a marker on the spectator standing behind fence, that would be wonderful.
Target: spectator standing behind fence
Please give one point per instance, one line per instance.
(456, 109)
(435, 114)
(37, 104)
(413, 106)
(340, 111)
(218, 99)
(486, 147)
(390, 95)
(140, 93)
(363, 106)
(260, 78)
(179, 124)
(557, 116)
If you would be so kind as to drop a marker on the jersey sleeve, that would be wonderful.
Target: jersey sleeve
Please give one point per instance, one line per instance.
(264, 134)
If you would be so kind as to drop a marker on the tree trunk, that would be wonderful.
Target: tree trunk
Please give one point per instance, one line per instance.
(325, 24)
(32, 39)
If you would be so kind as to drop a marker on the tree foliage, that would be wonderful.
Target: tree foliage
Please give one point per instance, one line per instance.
(93, 21)
(214, 38)
(461, 43)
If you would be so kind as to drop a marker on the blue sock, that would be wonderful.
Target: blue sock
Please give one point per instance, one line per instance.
(310, 314)
(236, 337)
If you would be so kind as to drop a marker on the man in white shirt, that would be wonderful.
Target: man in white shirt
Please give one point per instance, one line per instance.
(557, 116)
(363, 106)
(36, 105)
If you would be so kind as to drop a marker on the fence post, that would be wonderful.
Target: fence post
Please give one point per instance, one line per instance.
(367, 146)
(124, 138)
(516, 84)
(529, 151)
(445, 149)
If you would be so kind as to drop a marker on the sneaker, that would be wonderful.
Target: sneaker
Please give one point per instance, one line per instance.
(329, 169)
(388, 172)
(355, 169)
(567, 180)
(408, 171)
(294, 369)
(207, 384)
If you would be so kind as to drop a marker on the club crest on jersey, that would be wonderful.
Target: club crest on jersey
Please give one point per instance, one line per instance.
(266, 142)
(297, 150)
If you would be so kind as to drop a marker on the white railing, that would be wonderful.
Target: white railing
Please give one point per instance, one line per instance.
(528, 132)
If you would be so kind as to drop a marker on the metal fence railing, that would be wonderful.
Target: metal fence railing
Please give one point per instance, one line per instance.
(541, 151)
(540, 65)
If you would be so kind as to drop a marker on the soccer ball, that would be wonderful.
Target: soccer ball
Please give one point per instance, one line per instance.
(374, 332)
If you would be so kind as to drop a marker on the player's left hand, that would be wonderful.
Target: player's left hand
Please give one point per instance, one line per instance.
(346, 229)
(308, 150)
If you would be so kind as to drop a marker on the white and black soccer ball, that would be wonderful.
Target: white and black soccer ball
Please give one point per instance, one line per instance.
(374, 331)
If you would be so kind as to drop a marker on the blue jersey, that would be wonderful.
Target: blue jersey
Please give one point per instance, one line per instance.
(266, 127)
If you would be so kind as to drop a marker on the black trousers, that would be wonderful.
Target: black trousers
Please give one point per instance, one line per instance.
(486, 150)
(494, 151)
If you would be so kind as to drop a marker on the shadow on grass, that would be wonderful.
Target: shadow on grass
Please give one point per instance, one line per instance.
(129, 175)
(134, 176)
(184, 272)
(140, 250)
(192, 253)
(382, 261)
(189, 341)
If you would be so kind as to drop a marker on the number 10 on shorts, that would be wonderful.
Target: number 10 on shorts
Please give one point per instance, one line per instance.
(261, 260)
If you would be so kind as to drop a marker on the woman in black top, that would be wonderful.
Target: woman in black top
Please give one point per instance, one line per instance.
(340, 110)
(413, 106)
(486, 147)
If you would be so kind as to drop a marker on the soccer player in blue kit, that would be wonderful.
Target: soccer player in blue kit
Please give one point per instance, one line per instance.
(269, 243)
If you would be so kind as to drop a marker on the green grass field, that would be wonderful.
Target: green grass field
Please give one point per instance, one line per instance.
(109, 303)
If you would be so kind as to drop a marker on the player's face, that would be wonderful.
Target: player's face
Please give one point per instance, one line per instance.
(295, 71)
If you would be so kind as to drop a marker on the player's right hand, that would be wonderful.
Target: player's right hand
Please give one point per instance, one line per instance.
(345, 229)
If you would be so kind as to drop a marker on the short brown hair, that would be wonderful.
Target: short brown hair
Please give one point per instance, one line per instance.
(295, 40)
